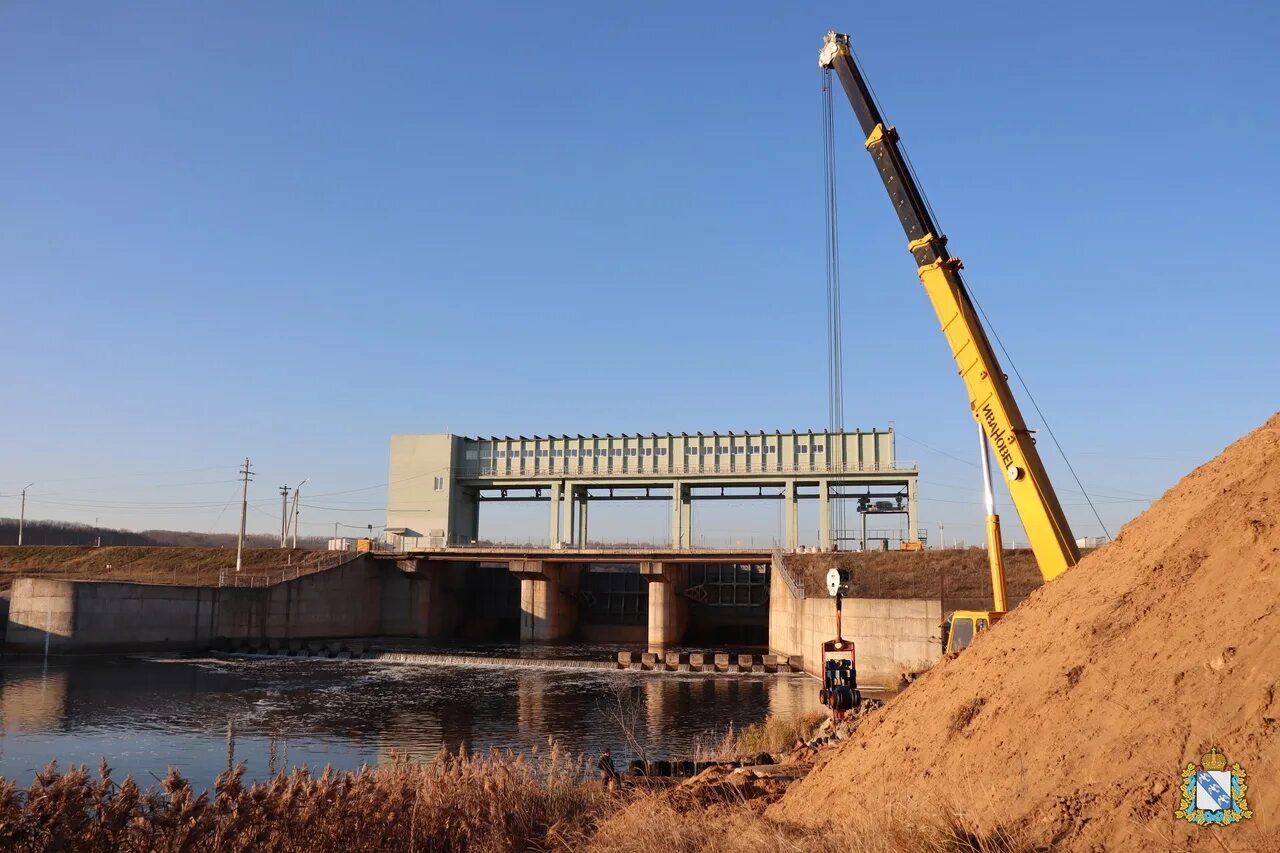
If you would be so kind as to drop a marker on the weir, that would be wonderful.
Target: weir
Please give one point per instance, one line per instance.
(664, 602)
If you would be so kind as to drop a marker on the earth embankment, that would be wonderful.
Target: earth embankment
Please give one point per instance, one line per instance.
(1072, 719)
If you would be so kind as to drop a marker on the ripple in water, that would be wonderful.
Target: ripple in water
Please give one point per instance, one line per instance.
(147, 714)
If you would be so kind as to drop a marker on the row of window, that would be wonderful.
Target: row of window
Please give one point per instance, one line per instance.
(736, 450)
(574, 452)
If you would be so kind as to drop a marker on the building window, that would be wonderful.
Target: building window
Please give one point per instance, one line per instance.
(528, 454)
(706, 451)
(633, 451)
(438, 484)
(802, 448)
(502, 454)
(648, 451)
(659, 451)
(572, 451)
(691, 451)
(818, 448)
(770, 449)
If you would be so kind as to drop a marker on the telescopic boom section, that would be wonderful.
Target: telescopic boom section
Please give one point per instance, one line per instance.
(990, 397)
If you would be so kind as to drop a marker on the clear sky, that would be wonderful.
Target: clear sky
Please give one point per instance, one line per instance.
(289, 230)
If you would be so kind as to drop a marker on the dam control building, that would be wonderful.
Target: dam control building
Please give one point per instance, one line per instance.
(438, 481)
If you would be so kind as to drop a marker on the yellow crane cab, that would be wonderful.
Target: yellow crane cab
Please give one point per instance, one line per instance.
(958, 631)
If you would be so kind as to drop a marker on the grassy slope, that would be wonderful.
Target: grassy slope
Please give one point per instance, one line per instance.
(149, 564)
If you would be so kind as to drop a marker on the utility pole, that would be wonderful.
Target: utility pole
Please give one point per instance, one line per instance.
(297, 508)
(284, 515)
(22, 516)
(942, 535)
(246, 472)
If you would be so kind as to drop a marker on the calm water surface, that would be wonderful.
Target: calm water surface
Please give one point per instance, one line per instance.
(145, 714)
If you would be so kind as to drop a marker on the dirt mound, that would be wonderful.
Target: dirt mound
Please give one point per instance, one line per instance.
(1072, 719)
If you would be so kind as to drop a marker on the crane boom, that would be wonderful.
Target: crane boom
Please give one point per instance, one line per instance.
(990, 396)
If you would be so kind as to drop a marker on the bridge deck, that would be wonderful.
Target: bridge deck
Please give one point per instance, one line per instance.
(586, 555)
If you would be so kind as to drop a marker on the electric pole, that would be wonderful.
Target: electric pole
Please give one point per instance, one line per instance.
(284, 515)
(297, 508)
(246, 473)
(22, 515)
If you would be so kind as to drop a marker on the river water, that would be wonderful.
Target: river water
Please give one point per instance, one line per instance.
(146, 714)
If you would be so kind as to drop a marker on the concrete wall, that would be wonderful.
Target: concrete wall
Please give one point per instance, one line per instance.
(360, 598)
(889, 635)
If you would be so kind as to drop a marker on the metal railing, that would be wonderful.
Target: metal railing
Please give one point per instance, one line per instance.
(782, 570)
(281, 574)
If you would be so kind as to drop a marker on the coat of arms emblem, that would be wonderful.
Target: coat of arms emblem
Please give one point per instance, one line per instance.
(1213, 793)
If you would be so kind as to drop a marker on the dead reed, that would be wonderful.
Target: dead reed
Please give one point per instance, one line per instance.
(774, 735)
(495, 802)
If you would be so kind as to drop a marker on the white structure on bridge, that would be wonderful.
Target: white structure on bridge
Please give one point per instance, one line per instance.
(438, 481)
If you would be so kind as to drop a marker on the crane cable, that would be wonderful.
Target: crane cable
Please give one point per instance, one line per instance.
(835, 354)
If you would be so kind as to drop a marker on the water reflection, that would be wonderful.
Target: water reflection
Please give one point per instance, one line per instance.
(145, 715)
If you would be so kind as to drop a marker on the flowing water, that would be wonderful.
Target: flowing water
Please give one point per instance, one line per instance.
(146, 714)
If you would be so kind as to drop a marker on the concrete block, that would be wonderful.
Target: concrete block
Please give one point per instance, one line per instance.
(722, 663)
(672, 660)
(624, 658)
(746, 661)
(696, 661)
(769, 663)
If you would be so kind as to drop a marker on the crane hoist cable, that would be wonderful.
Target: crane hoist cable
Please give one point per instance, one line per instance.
(835, 354)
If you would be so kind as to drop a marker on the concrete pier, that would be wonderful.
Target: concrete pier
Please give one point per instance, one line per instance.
(668, 611)
(548, 611)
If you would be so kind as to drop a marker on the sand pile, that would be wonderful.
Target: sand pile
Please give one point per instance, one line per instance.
(1073, 718)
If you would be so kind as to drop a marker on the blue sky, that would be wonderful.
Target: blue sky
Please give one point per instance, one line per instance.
(289, 230)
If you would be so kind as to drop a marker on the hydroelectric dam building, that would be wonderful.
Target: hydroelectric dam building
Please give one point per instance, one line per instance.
(438, 481)
(444, 579)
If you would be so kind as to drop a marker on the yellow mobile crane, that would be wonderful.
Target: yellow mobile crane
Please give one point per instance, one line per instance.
(991, 400)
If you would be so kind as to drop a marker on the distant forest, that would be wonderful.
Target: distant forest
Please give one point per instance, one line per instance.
(69, 533)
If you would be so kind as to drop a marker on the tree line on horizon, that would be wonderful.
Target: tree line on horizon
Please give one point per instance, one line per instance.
(75, 533)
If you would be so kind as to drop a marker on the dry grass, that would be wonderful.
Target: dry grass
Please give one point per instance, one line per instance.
(497, 802)
(962, 576)
(774, 735)
(459, 803)
(684, 824)
(156, 564)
